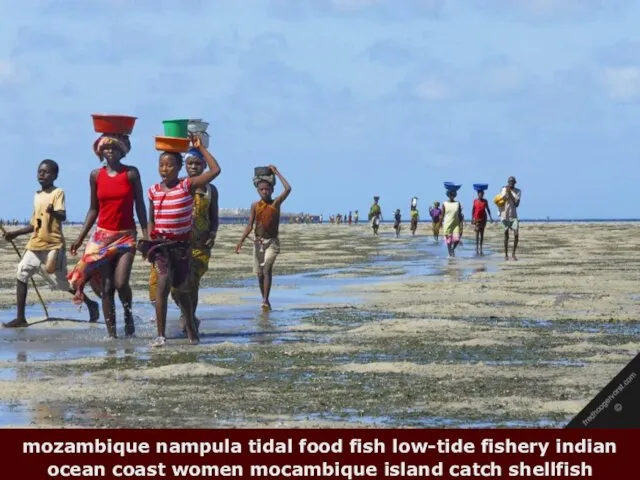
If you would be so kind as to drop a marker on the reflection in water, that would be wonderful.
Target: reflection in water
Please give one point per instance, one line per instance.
(264, 334)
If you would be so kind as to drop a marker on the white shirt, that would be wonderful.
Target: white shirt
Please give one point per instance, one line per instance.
(510, 209)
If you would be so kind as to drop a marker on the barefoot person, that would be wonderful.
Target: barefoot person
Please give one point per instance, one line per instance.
(171, 224)
(203, 235)
(435, 213)
(45, 252)
(509, 215)
(375, 215)
(452, 221)
(116, 190)
(397, 222)
(265, 215)
(479, 219)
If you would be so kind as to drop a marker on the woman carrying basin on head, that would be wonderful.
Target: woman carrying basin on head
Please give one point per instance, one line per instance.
(116, 190)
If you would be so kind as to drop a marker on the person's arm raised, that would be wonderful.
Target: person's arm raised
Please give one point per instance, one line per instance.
(287, 188)
(92, 213)
(214, 169)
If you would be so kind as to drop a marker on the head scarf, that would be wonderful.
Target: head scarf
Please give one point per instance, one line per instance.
(194, 152)
(117, 140)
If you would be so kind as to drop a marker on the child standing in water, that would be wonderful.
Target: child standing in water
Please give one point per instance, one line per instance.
(453, 222)
(479, 219)
(171, 224)
(436, 215)
(45, 252)
(415, 215)
(265, 215)
(203, 235)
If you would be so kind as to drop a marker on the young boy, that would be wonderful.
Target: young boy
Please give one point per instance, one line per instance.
(265, 214)
(45, 250)
(479, 219)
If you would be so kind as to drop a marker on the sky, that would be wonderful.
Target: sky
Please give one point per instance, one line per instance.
(348, 98)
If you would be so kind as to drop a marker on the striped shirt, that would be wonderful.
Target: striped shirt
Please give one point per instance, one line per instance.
(172, 210)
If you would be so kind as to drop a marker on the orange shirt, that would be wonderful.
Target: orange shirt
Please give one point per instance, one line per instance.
(267, 220)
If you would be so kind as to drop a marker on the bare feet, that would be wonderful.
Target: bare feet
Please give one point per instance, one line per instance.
(513, 257)
(266, 306)
(506, 258)
(16, 323)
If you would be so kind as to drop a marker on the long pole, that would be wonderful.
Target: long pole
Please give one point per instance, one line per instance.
(33, 282)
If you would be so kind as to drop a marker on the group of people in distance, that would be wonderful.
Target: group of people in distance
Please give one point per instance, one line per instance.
(449, 217)
(177, 235)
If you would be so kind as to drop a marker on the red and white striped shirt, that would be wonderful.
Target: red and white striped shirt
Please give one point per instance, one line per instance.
(172, 210)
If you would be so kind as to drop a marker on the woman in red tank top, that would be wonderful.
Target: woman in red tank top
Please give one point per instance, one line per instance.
(116, 190)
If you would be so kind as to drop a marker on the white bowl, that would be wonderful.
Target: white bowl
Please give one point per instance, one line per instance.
(204, 136)
(197, 126)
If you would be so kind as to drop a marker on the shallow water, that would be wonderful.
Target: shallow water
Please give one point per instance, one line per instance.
(68, 336)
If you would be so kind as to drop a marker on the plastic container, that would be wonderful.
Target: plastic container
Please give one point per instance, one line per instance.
(450, 186)
(197, 126)
(480, 187)
(204, 137)
(123, 124)
(262, 171)
(172, 144)
(499, 200)
(176, 128)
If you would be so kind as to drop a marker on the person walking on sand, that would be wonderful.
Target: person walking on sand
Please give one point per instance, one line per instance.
(115, 190)
(171, 223)
(479, 219)
(375, 215)
(265, 215)
(435, 213)
(453, 222)
(203, 236)
(45, 252)
(510, 196)
(355, 217)
(397, 224)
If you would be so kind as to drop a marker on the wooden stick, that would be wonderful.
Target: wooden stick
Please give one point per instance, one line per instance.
(33, 282)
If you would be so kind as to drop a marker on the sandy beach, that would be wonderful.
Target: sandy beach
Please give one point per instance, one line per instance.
(365, 332)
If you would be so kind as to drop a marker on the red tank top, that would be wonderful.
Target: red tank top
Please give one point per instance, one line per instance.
(115, 201)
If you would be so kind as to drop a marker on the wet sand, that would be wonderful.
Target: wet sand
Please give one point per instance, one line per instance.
(365, 332)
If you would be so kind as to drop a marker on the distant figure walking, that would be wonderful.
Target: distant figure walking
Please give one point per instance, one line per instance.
(508, 203)
(479, 219)
(397, 224)
(436, 216)
(375, 215)
(453, 222)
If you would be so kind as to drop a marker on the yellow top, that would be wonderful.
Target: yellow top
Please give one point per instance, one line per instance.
(47, 230)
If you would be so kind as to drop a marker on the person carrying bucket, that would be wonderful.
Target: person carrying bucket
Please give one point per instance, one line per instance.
(479, 216)
(203, 235)
(265, 217)
(375, 215)
(115, 191)
(171, 223)
(452, 219)
(415, 215)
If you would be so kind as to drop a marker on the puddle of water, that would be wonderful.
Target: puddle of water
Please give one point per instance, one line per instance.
(13, 414)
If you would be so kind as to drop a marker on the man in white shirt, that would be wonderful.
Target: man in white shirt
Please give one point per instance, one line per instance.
(509, 215)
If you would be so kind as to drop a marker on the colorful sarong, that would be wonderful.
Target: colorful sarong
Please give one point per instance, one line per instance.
(103, 247)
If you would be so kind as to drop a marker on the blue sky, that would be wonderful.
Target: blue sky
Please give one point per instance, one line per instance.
(349, 98)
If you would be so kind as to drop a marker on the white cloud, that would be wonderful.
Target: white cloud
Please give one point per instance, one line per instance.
(433, 89)
(11, 73)
(622, 83)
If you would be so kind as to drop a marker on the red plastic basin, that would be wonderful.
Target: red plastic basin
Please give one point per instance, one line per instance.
(113, 123)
